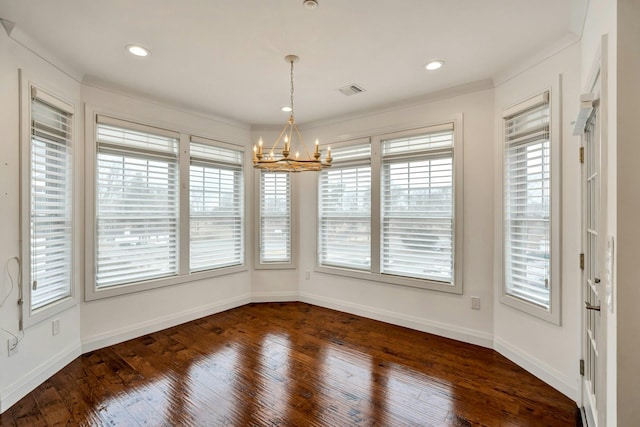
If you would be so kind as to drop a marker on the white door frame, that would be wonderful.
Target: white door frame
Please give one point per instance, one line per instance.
(596, 89)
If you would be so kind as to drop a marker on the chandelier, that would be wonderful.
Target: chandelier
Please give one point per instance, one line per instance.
(289, 153)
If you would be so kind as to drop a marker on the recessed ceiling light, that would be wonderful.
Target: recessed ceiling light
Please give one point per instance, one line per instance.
(286, 109)
(137, 50)
(434, 65)
(310, 4)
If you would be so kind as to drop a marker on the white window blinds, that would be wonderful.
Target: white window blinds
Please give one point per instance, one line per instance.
(527, 181)
(417, 206)
(51, 204)
(216, 207)
(275, 217)
(345, 209)
(136, 203)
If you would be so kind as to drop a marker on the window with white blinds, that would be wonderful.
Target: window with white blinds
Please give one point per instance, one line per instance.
(527, 200)
(275, 217)
(137, 203)
(344, 235)
(417, 223)
(216, 206)
(51, 201)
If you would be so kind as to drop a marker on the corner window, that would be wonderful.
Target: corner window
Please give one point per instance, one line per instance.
(275, 222)
(48, 211)
(527, 222)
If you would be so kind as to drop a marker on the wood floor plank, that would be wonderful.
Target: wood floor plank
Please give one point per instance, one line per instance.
(291, 364)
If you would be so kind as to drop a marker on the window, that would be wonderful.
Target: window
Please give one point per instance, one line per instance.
(137, 205)
(417, 206)
(168, 208)
(50, 201)
(216, 206)
(345, 209)
(275, 219)
(528, 203)
(387, 209)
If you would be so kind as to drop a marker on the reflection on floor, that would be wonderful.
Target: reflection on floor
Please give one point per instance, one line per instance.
(292, 364)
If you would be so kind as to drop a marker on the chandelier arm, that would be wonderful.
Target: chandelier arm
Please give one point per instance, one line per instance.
(306, 150)
(275, 144)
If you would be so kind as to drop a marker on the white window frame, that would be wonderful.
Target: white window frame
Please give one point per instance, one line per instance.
(29, 90)
(258, 264)
(553, 314)
(183, 275)
(374, 273)
(220, 165)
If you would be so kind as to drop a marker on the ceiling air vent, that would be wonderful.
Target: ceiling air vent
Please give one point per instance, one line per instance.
(349, 90)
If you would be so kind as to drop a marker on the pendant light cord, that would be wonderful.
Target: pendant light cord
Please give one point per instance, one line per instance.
(292, 88)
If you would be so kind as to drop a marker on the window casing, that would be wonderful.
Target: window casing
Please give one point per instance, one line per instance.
(344, 219)
(275, 220)
(216, 207)
(394, 215)
(168, 207)
(530, 204)
(136, 207)
(48, 188)
(417, 206)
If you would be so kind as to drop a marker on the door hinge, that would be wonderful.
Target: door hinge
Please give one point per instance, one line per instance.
(582, 367)
(581, 154)
(581, 261)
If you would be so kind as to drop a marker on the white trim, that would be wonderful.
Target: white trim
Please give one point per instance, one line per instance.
(27, 89)
(288, 296)
(119, 335)
(38, 375)
(293, 217)
(459, 333)
(554, 313)
(556, 379)
(454, 122)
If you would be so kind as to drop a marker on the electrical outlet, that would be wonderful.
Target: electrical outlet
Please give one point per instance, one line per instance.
(475, 303)
(12, 346)
(307, 275)
(55, 327)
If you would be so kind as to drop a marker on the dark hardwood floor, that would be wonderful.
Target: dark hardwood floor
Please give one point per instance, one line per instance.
(291, 364)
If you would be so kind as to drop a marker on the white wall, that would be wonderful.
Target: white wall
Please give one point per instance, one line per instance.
(40, 354)
(442, 313)
(549, 351)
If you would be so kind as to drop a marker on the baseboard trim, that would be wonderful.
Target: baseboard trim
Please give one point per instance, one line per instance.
(289, 296)
(536, 367)
(116, 336)
(32, 379)
(471, 336)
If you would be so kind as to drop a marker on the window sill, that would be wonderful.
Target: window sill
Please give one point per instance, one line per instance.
(548, 315)
(48, 311)
(93, 294)
(431, 285)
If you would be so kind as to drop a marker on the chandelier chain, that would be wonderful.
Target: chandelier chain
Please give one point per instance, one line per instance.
(292, 88)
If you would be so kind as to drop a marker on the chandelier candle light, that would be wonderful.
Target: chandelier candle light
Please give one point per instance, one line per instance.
(283, 162)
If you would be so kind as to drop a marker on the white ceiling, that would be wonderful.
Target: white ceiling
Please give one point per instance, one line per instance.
(225, 57)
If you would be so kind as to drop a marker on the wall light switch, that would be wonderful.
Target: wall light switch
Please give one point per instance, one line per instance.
(475, 303)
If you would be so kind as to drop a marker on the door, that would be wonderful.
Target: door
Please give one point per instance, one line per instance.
(593, 334)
